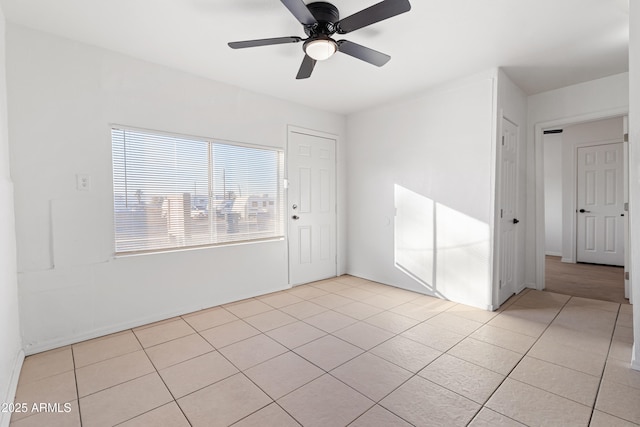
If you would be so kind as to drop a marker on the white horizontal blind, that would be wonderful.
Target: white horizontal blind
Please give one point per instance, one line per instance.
(175, 192)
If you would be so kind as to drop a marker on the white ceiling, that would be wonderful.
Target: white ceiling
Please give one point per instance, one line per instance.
(541, 44)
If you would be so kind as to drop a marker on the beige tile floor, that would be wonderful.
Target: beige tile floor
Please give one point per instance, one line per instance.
(349, 352)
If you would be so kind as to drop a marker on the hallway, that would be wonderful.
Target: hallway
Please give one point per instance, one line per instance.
(601, 282)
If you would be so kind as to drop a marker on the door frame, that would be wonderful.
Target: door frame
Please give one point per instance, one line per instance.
(538, 142)
(320, 134)
(574, 190)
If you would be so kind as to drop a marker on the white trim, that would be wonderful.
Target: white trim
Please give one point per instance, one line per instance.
(627, 234)
(552, 253)
(538, 140)
(5, 417)
(493, 293)
(311, 132)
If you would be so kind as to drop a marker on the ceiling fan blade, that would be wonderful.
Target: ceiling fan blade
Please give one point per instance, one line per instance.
(376, 13)
(300, 10)
(306, 68)
(264, 42)
(363, 53)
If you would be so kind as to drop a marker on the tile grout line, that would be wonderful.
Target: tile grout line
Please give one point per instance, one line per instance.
(606, 360)
(414, 374)
(517, 364)
(240, 371)
(175, 400)
(376, 403)
(395, 335)
(161, 379)
(75, 377)
(325, 372)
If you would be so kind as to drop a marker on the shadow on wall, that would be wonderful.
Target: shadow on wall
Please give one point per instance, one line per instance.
(442, 249)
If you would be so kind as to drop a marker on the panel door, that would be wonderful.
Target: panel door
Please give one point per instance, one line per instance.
(508, 170)
(600, 205)
(312, 207)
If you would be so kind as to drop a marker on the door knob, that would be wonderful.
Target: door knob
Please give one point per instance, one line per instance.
(516, 220)
(296, 217)
(583, 211)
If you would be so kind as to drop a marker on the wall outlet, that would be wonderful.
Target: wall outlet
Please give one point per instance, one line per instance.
(83, 182)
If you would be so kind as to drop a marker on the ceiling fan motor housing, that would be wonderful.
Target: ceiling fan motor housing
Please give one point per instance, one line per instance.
(327, 15)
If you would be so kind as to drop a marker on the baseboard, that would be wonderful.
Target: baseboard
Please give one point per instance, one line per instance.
(5, 417)
(635, 363)
(568, 260)
(119, 327)
(553, 253)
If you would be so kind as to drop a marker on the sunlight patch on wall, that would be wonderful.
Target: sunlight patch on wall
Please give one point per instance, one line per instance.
(414, 235)
(463, 257)
(444, 250)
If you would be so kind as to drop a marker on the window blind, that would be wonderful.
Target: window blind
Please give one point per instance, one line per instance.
(175, 192)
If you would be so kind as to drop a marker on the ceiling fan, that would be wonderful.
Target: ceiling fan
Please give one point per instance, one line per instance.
(320, 21)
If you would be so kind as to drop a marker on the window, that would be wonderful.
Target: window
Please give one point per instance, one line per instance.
(177, 192)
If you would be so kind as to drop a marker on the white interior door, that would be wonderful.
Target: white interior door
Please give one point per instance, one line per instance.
(600, 205)
(508, 182)
(312, 207)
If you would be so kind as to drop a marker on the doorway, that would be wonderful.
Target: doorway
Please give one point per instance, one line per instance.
(311, 198)
(583, 178)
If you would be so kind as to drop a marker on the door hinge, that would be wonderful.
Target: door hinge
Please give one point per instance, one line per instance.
(501, 213)
(502, 139)
(626, 275)
(499, 284)
(626, 137)
(626, 206)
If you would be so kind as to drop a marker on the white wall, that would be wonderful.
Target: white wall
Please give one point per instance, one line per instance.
(62, 97)
(429, 157)
(574, 136)
(596, 99)
(634, 172)
(553, 194)
(11, 354)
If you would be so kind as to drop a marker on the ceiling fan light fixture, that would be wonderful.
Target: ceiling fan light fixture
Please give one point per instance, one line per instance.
(320, 49)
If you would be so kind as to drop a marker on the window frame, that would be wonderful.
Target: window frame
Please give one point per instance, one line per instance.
(280, 231)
